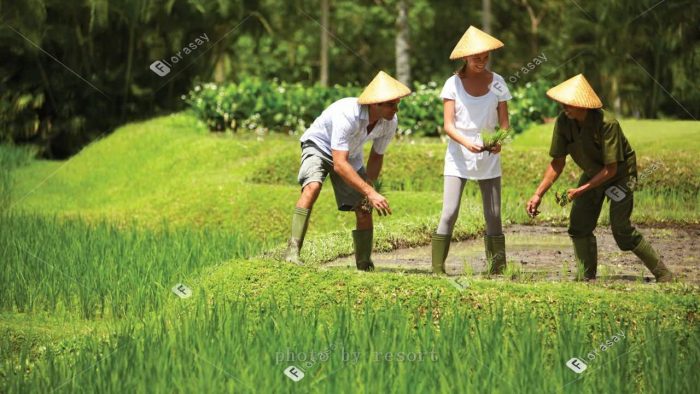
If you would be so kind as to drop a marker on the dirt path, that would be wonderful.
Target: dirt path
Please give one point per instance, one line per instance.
(546, 253)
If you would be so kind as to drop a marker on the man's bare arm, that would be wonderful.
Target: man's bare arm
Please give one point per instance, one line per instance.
(551, 174)
(374, 166)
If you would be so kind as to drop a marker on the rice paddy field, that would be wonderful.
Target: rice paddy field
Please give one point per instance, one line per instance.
(148, 263)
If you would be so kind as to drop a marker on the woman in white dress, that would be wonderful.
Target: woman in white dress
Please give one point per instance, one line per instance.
(474, 101)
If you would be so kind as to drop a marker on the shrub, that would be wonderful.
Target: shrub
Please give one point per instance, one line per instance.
(261, 106)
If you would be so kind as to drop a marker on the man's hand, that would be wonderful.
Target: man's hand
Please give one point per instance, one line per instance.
(379, 203)
(532, 205)
(573, 193)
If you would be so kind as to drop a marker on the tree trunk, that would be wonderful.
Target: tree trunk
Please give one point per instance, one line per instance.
(403, 45)
(324, 42)
(129, 65)
(534, 26)
(486, 15)
(654, 106)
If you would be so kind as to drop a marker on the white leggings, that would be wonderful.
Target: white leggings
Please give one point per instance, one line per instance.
(490, 197)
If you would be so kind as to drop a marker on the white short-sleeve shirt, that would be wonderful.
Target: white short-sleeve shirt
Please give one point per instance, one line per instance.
(343, 126)
(472, 116)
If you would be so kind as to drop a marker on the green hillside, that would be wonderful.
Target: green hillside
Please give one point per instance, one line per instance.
(93, 246)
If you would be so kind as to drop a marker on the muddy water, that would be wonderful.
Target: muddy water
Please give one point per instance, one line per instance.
(539, 252)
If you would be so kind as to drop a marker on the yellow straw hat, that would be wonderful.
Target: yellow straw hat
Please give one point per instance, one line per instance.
(576, 92)
(474, 41)
(383, 88)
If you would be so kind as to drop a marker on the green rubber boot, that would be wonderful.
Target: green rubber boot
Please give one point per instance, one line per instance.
(586, 251)
(363, 249)
(300, 223)
(648, 255)
(441, 246)
(495, 253)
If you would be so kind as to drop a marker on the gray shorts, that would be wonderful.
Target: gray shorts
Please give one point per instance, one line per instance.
(316, 165)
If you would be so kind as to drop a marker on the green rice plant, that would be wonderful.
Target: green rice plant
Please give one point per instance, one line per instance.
(239, 344)
(513, 270)
(580, 270)
(468, 270)
(562, 198)
(497, 137)
(99, 270)
(564, 270)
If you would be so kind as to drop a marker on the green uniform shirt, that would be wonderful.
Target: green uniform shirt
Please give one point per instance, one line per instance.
(596, 142)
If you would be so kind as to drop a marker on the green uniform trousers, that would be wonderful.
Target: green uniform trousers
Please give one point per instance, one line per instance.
(586, 209)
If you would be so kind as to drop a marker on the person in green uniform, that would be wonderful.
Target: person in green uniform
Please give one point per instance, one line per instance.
(597, 145)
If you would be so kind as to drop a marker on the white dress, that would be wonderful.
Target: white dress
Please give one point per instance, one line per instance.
(472, 116)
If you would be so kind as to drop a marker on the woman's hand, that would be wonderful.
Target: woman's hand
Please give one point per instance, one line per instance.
(473, 148)
(496, 149)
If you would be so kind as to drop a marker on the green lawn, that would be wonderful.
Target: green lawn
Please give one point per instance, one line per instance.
(92, 246)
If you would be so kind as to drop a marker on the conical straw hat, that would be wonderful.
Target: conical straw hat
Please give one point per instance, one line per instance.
(383, 88)
(576, 92)
(474, 41)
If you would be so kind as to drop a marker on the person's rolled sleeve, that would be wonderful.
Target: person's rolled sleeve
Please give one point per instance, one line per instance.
(612, 143)
(558, 147)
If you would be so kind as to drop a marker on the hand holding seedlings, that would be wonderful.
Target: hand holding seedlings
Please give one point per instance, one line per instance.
(562, 198)
(494, 140)
(376, 200)
(532, 206)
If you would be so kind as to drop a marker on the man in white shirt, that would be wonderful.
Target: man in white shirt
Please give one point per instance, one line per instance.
(333, 145)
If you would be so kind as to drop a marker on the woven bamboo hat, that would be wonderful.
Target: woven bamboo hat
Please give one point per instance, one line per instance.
(474, 41)
(576, 92)
(383, 88)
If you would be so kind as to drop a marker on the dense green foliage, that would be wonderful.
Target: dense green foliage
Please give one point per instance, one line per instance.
(66, 79)
(274, 106)
(258, 105)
